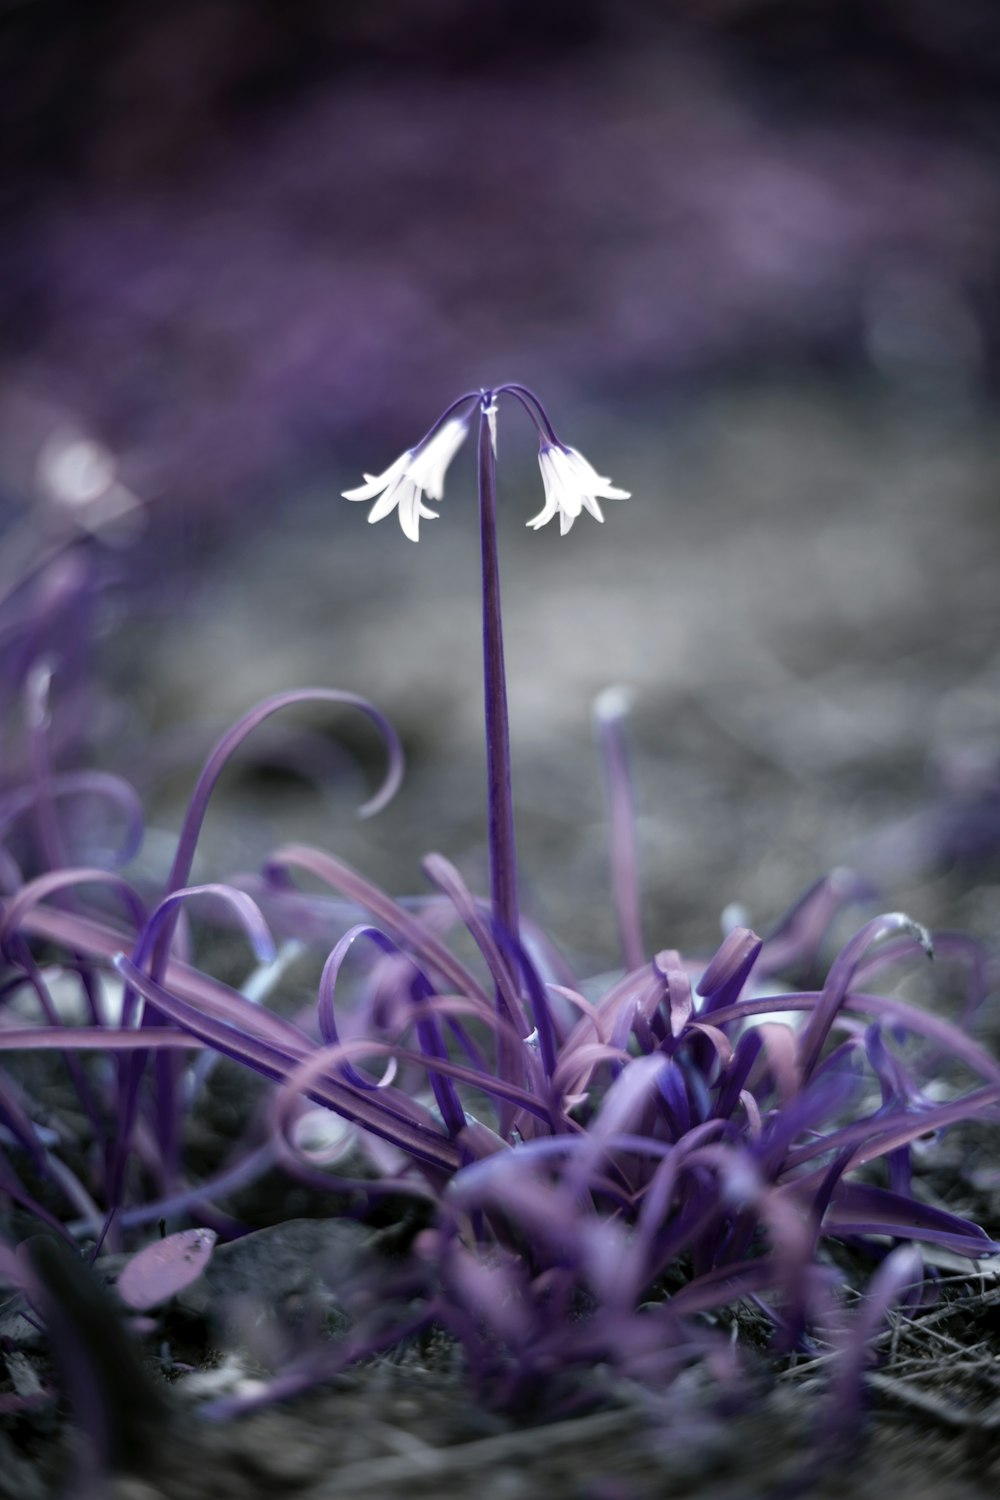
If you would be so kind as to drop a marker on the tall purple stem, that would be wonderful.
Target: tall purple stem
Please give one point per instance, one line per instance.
(610, 710)
(503, 859)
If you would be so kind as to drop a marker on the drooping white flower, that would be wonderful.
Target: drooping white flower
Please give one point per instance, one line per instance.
(571, 485)
(416, 473)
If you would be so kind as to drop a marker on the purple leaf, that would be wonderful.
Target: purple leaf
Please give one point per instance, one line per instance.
(165, 1268)
(726, 975)
(857, 1208)
(679, 998)
(841, 976)
(898, 1274)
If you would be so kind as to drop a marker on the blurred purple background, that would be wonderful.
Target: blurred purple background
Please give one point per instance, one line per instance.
(243, 236)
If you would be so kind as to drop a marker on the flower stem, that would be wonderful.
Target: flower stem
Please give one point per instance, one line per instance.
(610, 711)
(503, 859)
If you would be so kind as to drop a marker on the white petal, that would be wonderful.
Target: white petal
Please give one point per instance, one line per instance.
(387, 502)
(583, 471)
(559, 488)
(551, 506)
(591, 504)
(549, 476)
(429, 465)
(545, 515)
(410, 510)
(565, 522)
(590, 481)
(375, 483)
(568, 492)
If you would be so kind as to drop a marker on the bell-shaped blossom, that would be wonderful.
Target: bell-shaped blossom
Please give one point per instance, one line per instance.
(417, 473)
(571, 485)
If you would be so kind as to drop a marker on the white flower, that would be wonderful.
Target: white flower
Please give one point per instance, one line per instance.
(417, 472)
(571, 485)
